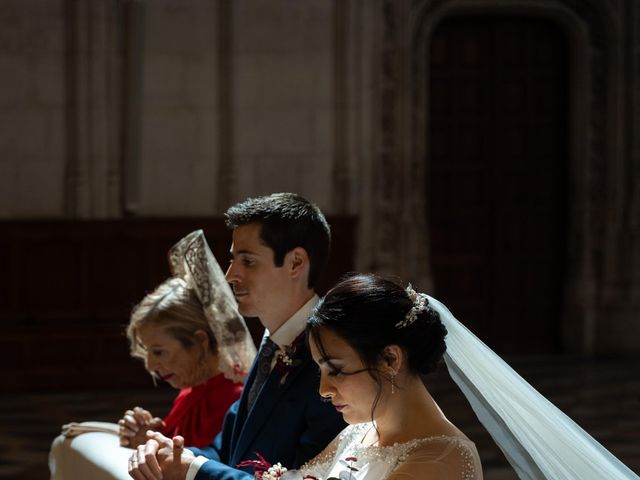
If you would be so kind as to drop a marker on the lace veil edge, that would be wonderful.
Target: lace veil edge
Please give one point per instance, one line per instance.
(192, 259)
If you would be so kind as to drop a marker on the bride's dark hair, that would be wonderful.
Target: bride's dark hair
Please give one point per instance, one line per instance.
(364, 310)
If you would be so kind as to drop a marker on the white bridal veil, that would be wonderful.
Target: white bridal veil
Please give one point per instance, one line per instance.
(538, 439)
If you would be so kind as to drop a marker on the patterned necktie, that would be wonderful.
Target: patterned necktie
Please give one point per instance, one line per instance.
(265, 356)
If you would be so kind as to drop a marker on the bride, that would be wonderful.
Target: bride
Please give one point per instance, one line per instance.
(372, 341)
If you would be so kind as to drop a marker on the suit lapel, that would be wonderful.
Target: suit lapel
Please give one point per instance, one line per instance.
(241, 417)
(267, 399)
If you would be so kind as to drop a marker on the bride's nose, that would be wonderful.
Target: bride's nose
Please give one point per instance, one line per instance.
(326, 389)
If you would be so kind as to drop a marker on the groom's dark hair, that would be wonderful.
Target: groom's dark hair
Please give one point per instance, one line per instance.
(287, 221)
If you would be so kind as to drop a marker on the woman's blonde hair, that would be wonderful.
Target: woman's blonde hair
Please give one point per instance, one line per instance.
(174, 306)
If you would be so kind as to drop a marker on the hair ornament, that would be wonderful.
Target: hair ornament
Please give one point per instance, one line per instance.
(420, 304)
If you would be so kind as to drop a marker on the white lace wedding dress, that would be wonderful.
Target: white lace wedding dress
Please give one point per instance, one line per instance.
(438, 457)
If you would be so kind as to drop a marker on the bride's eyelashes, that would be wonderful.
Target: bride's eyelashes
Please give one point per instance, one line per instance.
(339, 372)
(332, 372)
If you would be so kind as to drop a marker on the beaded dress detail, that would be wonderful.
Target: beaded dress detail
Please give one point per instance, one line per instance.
(443, 457)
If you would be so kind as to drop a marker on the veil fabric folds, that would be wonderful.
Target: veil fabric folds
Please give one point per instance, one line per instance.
(192, 259)
(537, 438)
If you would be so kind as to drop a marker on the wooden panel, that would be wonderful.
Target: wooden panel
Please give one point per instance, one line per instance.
(497, 177)
(68, 288)
(6, 283)
(51, 270)
(123, 268)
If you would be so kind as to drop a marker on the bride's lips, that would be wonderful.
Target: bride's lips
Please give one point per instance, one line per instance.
(339, 407)
(166, 377)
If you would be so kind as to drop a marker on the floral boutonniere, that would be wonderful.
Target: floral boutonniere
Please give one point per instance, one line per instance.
(287, 357)
(264, 470)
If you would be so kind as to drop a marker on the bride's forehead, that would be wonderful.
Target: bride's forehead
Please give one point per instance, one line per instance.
(327, 343)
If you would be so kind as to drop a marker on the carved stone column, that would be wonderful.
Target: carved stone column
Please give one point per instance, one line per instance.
(94, 106)
(393, 230)
(226, 178)
(619, 309)
(344, 25)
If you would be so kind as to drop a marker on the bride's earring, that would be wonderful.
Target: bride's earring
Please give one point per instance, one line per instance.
(393, 381)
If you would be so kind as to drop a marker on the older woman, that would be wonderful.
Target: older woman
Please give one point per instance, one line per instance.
(169, 331)
(190, 335)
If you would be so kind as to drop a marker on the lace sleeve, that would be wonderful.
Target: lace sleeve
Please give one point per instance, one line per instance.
(449, 458)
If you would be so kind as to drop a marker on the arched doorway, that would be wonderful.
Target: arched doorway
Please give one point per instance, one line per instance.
(497, 176)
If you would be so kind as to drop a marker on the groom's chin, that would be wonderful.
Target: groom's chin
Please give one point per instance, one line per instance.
(244, 308)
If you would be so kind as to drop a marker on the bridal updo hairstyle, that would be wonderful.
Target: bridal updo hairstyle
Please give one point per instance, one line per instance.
(364, 309)
(174, 306)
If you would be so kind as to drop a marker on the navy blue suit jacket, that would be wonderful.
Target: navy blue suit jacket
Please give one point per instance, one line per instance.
(288, 424)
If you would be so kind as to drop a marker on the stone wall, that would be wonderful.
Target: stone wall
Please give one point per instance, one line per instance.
(234, 99)
(181, 107)
(282, 104)
(237, 101)
(179, 118)
(32, 111)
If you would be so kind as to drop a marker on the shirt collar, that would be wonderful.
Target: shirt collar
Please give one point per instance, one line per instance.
(289, 330)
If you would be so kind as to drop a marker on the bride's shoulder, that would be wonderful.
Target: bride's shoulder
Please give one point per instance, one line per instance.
(442, 454)
(443, 445)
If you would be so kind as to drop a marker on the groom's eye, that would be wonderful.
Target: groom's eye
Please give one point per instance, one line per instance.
(247, 262)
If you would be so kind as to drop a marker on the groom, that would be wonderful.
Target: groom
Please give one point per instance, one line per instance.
(280, 245)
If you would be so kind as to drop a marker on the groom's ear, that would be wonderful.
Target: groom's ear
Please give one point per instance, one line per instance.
(297, 261)
(393, 356)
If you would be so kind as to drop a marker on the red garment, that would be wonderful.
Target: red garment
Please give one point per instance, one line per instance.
(197, 412)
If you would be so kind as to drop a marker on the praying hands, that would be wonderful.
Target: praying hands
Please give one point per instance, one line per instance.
(161, 458)
(133, 427)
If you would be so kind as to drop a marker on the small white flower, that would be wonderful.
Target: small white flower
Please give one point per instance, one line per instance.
(274, 472)
(285, 358)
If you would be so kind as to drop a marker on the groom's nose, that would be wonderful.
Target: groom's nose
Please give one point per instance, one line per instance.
(231, 275)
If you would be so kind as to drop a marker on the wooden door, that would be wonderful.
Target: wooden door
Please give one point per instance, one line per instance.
(497, 177)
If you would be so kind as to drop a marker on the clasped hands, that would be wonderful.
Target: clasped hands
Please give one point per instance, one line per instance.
(161, 458)
(134, 424)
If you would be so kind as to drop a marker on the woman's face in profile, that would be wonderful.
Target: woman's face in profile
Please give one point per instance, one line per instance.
(168, 359)
(344, 378)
